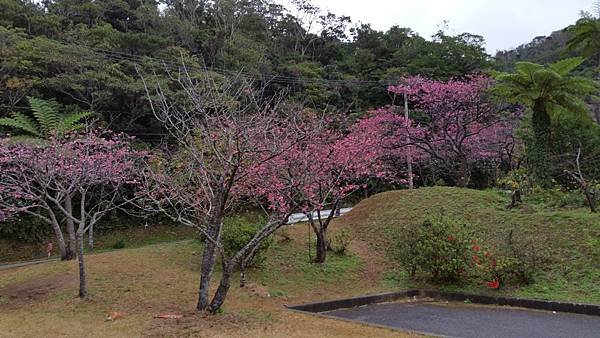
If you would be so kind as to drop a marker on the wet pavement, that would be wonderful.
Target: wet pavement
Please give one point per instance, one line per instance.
(464, 320)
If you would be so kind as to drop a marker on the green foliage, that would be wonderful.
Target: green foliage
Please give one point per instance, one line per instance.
(238, 231)
(120, 244)
(585, 35)
(515, 262)
(340, 241)
(552, 84)
(556, 198)
(47, 121)
(438, 247)
(545, 89)
(86, 53)
(28, 229)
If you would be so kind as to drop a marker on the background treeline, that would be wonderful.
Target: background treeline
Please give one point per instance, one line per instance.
(83, 53)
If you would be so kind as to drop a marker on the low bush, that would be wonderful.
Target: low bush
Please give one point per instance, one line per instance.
(445, 251)
(27, 228)
(238, 231)
(340, 241)
(438, 247)
(120, 244)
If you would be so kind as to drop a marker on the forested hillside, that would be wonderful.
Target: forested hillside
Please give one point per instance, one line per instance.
(84, 53)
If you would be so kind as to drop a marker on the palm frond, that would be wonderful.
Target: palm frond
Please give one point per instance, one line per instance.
(564, 67)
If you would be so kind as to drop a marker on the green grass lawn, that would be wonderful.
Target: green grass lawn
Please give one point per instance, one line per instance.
(140, 283)
(570, 237)
(143, 281)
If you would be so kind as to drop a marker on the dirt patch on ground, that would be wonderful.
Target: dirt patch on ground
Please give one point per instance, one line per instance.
(36, 290)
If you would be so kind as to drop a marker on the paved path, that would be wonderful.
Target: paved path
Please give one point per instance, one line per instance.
(461, 320)
(301, 217)
(26, 263)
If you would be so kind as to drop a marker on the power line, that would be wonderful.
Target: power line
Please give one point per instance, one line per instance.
(276, 78)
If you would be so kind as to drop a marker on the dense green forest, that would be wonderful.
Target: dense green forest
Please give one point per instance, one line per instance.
(84, 53)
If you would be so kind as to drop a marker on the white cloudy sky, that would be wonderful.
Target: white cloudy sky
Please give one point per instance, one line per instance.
(504, 23)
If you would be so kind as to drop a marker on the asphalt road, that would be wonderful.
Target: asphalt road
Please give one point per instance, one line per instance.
(462, 320)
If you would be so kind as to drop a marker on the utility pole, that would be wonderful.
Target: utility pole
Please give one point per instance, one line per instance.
(409, 148)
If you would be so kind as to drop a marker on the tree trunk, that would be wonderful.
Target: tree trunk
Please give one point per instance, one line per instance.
(321, 246)
(70, 229)
(224, 286)
(464, 178)
(91, 237)
(590, 199)
(242, 275)
(209, 257)
(80, 260)
(541, 133)
(515, 199)
(62, 246)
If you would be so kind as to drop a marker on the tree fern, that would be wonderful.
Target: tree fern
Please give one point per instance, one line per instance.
(46, 115)
(21, 122)
(47, 120)
(71, 121)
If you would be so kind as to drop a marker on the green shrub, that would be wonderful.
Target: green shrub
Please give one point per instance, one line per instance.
(340, 241)
(557, 198)
(517, 261)
(438, 247)
(238, 231)
(120, 244)
(27, 228)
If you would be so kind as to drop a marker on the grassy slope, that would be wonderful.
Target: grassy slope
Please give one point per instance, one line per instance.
(143, 282)
(572, 237)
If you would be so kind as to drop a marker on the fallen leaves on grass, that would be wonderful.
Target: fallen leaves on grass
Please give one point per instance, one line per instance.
(115, 315)
(169, 316)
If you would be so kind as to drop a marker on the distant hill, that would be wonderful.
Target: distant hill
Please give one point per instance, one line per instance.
(542, 49)
(545, 50)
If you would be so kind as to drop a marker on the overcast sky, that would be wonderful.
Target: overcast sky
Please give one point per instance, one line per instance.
(504, 24)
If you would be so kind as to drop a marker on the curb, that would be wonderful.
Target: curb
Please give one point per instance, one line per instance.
(27, 263)
(578, 308)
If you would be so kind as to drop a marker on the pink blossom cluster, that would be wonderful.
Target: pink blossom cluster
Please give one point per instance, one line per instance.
(30, 173)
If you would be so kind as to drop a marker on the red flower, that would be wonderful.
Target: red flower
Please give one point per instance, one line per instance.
(476, 259)
(495, 284)
(451, 238)
(476, 248)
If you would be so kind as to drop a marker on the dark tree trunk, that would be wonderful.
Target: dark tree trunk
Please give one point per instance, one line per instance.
(223, 288)
(541, 133)
(464, 178)
(321, 246)
(242, 275)
(209, 258)
(81, 263)
(589, 196)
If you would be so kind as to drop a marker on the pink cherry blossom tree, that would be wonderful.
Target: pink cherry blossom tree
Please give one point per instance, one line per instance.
(223, 137)
(460, 125)
(44, 180)
(324, 168)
